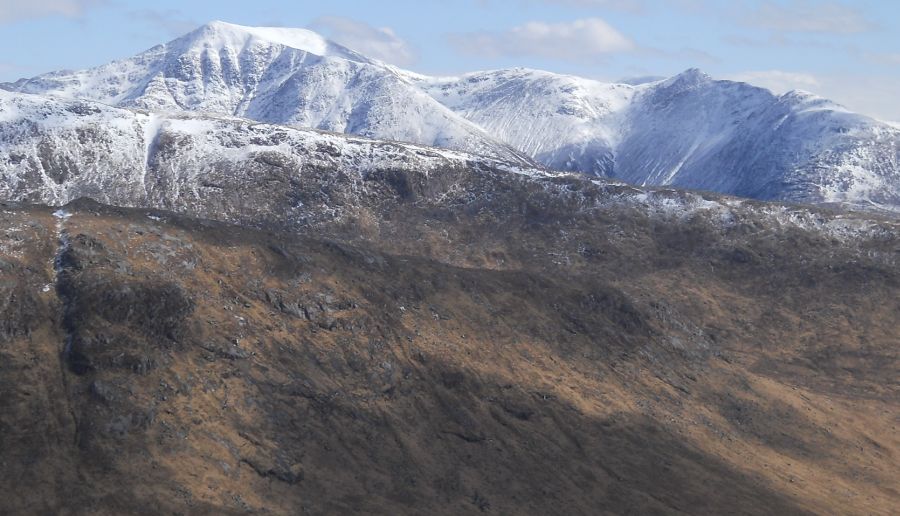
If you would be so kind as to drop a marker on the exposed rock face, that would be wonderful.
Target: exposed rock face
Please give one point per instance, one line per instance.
(513, 356)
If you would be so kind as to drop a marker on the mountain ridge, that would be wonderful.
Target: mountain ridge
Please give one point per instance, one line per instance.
(467, 340)
(687, 131)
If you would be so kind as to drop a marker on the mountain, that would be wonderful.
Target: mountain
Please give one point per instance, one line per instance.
(282, 76)
(54, 151)
(464, 341)
(390, 328)
(565, 122)
(240, 171)
(688, 131)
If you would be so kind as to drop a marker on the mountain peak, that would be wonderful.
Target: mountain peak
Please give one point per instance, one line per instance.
(692, 75)
(220, 34)
(687, 79)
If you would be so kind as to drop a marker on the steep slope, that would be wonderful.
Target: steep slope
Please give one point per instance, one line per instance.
(732, 137)
(485, 343)
(284, 76)
(567, 123)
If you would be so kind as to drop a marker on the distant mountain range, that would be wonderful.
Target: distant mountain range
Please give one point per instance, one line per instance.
(687, 131)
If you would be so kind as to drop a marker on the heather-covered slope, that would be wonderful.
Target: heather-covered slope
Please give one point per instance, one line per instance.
(517, 356)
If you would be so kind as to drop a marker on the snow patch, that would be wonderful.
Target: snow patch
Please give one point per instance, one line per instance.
(220, 34)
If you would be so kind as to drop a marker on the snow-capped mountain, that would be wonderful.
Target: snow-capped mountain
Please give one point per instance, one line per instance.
(53, 151)
(565, 122)
(282, 76)
(687, 131)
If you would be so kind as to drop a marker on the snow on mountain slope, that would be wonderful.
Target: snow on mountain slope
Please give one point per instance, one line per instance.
(687, 131)
(54, 150)
(695, 132)
(284, 76)
(565, 122)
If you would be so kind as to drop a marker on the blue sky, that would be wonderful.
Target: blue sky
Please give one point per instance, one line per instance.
(848, 51)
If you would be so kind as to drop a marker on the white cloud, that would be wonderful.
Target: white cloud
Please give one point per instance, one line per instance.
(870, 95)
(808, 16)
(378, 42)
(589, 39)
(13, 10)
(778, 81)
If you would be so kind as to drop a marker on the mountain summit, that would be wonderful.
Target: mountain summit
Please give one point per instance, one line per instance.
(283, 76)
(688, 131)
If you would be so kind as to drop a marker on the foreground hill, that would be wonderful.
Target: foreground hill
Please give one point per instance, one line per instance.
(688, 131)
(534, 345)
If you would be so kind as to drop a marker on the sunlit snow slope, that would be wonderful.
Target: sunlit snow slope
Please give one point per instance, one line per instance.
(283, 76)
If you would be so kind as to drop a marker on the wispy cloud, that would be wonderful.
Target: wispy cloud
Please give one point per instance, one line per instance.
(808, 16)
(585, 40)
(378, 42)
(14, 10)
(778, 81)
